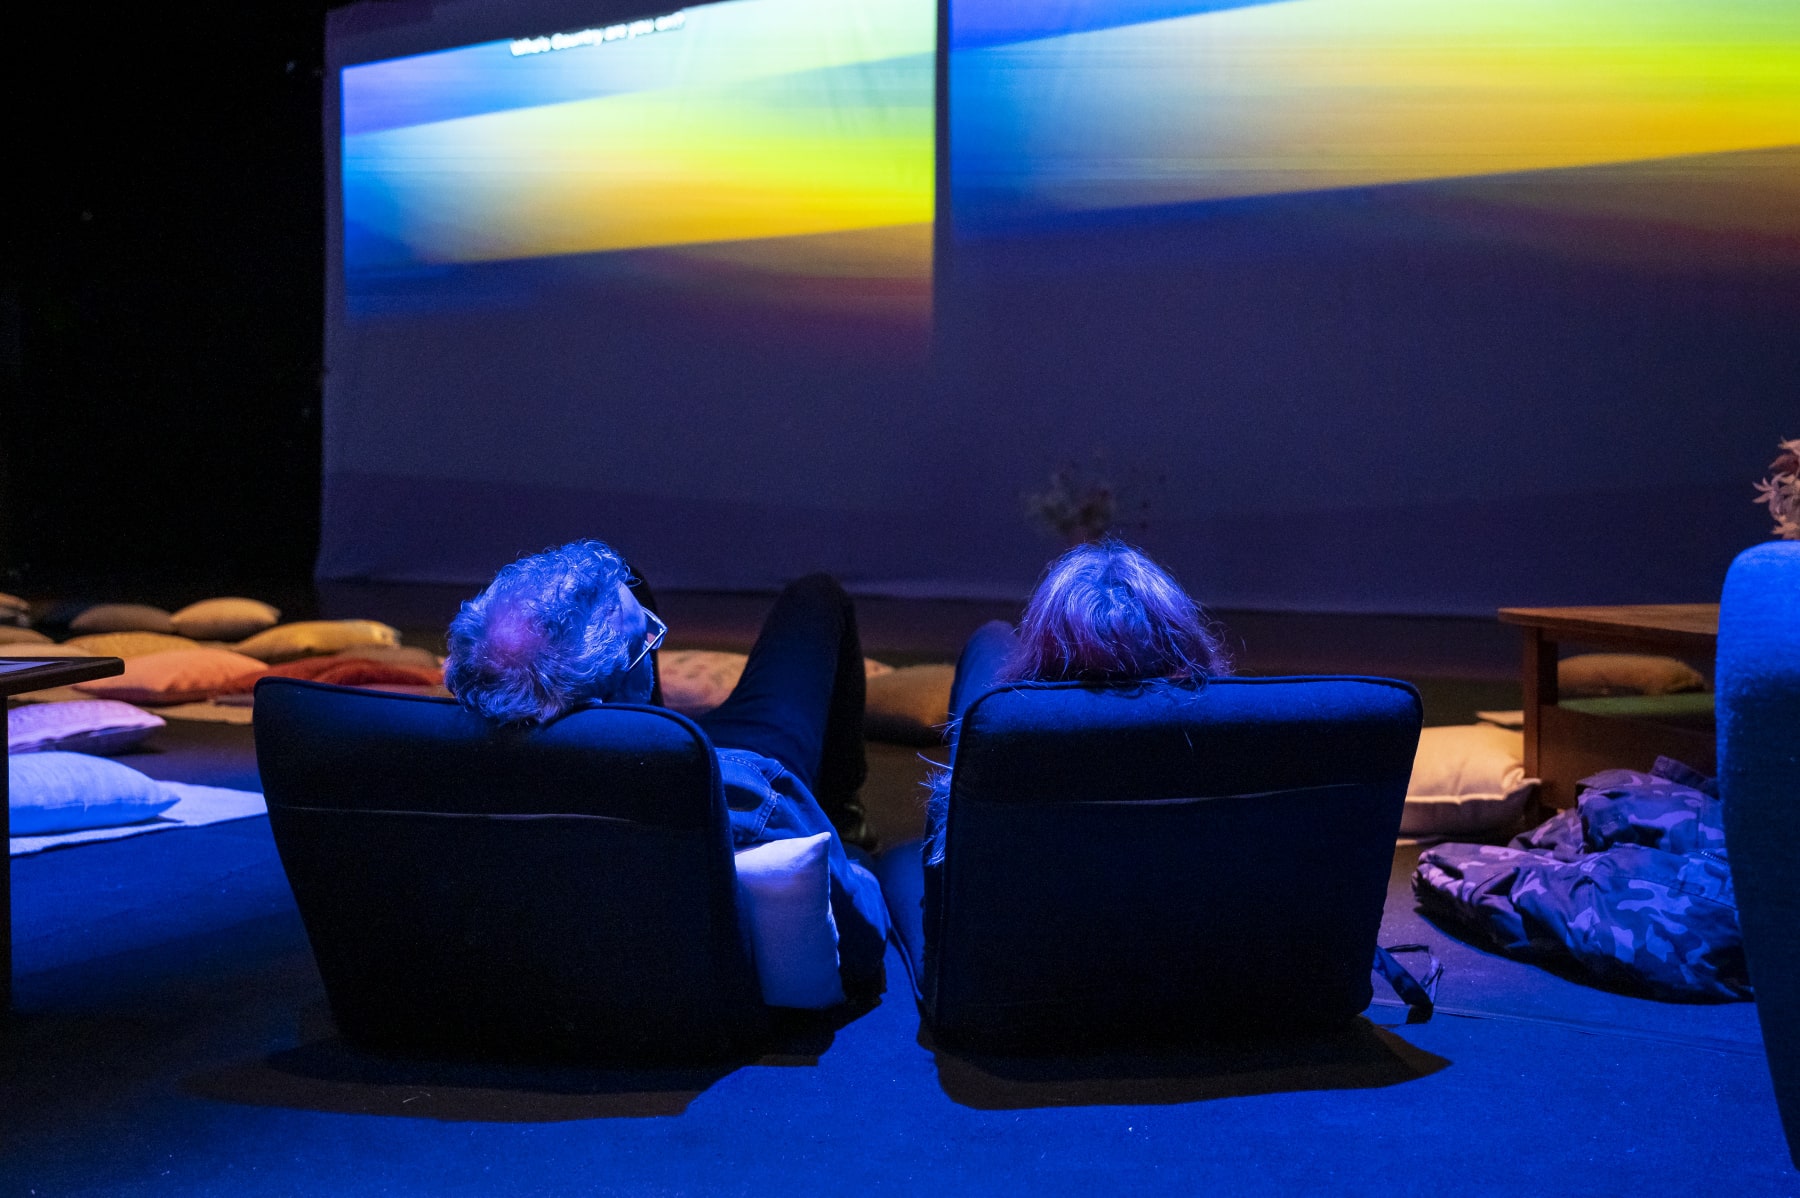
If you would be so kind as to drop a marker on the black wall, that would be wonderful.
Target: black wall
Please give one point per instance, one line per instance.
(163, 291)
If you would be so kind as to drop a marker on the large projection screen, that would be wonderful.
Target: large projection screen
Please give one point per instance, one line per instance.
(665, 279)
(1392, 305)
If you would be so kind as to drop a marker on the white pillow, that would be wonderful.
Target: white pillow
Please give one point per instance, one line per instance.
(71, 792)
(83, 726)
(785, 887)
(1467, 778)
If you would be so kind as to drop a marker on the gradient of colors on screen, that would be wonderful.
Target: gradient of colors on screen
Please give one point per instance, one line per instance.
(1084, 107)
(776, 147)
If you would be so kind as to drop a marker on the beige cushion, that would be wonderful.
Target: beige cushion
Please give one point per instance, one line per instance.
(13, 636)
(13, 608)
(694, 681)
(909, 705)
(396, 655)
(129, 644)
(310, 638)
(1466, 779)
(225, 619)
(1596, 675)
(122, 617)
(36, 650)
(178, 676)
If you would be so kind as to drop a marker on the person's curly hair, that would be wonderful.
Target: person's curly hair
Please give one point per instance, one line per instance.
(543, 638)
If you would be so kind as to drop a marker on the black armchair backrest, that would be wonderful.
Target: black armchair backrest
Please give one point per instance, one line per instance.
(479, 891)
(1155, 861)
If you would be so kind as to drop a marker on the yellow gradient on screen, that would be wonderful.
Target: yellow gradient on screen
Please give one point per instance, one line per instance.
(789, 137)
(1321, 94)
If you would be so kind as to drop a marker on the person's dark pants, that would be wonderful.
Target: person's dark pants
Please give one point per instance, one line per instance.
(800, 700)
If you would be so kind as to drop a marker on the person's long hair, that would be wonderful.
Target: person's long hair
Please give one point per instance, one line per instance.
(1106, 613)
(1103, 613)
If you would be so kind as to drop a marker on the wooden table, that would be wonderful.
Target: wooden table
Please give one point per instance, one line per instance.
(1562, 745)
(19, 675)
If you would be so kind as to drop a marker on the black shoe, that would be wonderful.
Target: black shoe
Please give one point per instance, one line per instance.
(853, 825)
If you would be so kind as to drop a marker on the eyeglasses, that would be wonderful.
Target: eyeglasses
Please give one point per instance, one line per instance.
(656, 630)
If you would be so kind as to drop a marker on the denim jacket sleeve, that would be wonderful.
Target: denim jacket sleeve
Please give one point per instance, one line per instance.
(767, 802)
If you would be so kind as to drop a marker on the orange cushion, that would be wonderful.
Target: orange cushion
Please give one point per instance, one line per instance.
(178, 676)
(340, 670)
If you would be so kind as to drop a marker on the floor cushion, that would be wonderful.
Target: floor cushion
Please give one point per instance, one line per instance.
(1467, 779)
(694, 681)
(225, 619)
(339, 669)
(101, 726)
(312, 638)
(12, 636)
(122, 617)
(910, 705)
(179, 676)
(130, 644)
(1593, 675)
(69, 792)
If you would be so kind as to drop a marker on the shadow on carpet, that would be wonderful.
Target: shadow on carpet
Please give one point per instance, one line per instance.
(1361, 1057)
(327, 1075)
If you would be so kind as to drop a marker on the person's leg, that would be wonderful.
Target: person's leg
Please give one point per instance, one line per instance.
(978, 669)
(800, 700)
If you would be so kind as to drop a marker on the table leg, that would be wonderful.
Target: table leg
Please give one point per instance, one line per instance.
(1540, 692)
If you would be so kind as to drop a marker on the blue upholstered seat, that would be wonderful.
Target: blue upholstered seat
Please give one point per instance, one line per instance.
(1127, 863)
(1758, 707)
(474, 891)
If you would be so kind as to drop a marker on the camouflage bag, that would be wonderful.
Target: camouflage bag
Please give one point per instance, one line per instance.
(1633, 886)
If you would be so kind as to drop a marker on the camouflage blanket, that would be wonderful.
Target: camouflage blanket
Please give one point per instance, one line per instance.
(1632, 886)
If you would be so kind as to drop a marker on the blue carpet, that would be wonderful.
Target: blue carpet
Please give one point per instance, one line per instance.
(172, 1038)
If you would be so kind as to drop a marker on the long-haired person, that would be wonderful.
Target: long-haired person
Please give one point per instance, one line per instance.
(1103, 613)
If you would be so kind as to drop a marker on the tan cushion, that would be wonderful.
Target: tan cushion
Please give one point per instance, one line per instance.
(13, 635)
(909, 705)
(225, 619)
(311, 638)
(396, 655)
(36, 650)
(178, 676)
(129, 644)
(695, 681)
(12, 607)
(1467, 778)
(1594, 675)
(122, 617)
